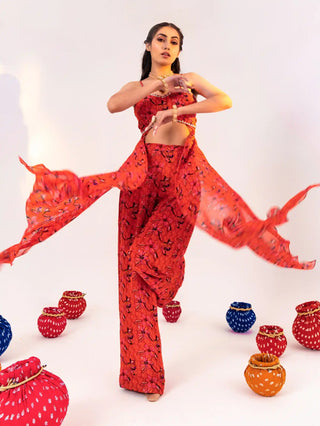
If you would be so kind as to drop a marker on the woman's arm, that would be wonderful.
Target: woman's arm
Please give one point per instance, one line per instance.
(215, 100)
(131, 93)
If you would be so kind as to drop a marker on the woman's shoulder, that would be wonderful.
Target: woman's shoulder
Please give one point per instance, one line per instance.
(190, 75)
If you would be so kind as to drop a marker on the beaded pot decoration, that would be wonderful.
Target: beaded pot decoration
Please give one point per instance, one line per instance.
(271, 339)
(72, 303)
(306, 326)
(264, 374)
(240, 317)
(5, 334)
(172, 311)
(52, 322)
(31, 395)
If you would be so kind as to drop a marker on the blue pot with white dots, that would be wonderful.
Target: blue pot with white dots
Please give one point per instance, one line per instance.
(5, 334)
(240, 317)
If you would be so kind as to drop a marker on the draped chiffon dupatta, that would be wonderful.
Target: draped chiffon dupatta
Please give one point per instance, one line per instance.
(58, 197)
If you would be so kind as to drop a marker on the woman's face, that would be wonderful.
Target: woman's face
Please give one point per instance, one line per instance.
(165, 46)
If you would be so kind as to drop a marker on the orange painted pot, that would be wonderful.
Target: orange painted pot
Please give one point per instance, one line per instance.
(264, 374)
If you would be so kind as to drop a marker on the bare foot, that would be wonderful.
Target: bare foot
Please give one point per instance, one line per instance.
(153, 397)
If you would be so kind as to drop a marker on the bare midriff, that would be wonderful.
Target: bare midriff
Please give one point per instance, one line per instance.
(169, 134)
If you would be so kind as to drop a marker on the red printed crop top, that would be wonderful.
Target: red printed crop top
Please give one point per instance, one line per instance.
(151, 104)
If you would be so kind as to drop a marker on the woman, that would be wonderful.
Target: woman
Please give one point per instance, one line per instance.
(151, 249)
(167, 186)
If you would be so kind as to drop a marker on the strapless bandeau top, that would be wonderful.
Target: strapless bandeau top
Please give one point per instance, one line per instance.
(150, 105)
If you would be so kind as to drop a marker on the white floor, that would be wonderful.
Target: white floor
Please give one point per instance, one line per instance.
(204, 360)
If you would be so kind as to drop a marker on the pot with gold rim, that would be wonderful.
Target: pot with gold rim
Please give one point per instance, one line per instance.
(240, 317)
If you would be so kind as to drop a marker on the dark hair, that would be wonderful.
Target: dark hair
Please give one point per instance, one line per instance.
(146, 59)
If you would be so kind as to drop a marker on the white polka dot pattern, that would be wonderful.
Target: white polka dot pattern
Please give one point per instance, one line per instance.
(72, 303)
(5, 334)
(306, 326)
(264, 374)
(172, 311)
(270, 339)
(52, 322)
(240, 317)
(43, 400)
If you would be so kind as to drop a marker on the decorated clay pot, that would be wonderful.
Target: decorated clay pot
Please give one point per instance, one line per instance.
(240, 317)
(172, 311)
(52, 322)
(270, 339)
(264, 374)
(306, 326)
(5, 334)
(73, 304)
(31, 395)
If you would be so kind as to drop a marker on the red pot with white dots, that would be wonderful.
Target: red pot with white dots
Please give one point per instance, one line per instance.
(271, 339)
(31, 395)
(73, 303)
(52, 322)
(172, 311)
(306, 326)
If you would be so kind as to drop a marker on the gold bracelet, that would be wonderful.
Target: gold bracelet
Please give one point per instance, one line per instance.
(175, 113)
(165, 85)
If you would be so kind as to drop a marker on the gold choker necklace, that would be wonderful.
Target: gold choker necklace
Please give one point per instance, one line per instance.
(161, 75)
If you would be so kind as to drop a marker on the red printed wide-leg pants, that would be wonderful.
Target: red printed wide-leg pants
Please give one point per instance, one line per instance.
(153, 237)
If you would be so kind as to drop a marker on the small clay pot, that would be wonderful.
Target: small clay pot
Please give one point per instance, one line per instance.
(52, 322)
(264, 374)
(73, 303)
(240, 317)
(270, 339)
(31, 395)
(172, 311)
(306, 326)
(5, 334)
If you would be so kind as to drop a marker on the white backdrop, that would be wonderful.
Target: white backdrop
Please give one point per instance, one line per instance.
(60, 61)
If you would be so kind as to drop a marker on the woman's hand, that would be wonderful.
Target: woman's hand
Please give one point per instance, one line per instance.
(178, 83)
(162, 117)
